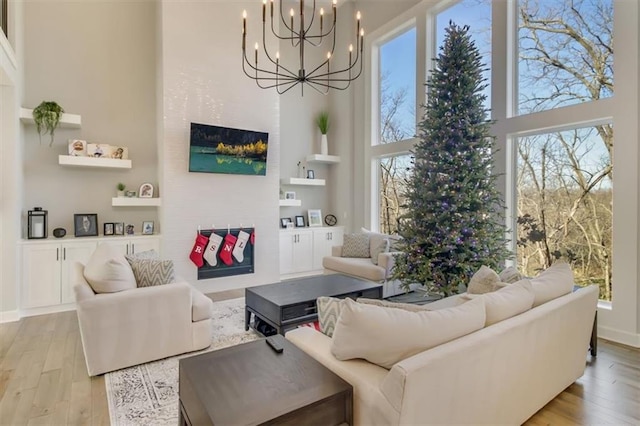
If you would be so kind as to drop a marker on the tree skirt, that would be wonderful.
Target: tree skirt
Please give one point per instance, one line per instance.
(147, 394)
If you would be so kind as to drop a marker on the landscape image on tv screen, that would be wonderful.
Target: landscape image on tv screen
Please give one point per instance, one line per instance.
(217, 149)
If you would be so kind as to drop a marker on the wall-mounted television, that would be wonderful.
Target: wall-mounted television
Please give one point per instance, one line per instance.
(215, 149)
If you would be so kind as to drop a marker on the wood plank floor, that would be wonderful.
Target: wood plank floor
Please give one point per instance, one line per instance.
(44, 381)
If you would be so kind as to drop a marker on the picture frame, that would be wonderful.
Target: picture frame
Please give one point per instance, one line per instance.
(129, 229)
(145, 191)
(130, 194)
(120, 152)
(300, 222)
(311, 174)
(98, 150)
(314, 217)
(108, 228)
(118, 228)
(77, 148)
(284, 222)
(290, 195)
(85, 224)
(147, 227)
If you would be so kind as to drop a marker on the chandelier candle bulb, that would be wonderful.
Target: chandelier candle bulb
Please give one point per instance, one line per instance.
(257, 53)
(321, 18)
(264, 11)
(335, 15)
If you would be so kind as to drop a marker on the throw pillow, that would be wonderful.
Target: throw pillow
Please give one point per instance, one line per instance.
(377, 245)
(555, 281)
(150, 272)
(107, 270)
(329, 309)
(355, 245)
(149, 254)
(505, 303)
(393, 239)
(485, 280)
(510, 275)
(385, 336)
(385, 303)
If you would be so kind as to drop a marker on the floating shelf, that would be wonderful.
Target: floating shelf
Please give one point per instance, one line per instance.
(70, 121)
(290, 203)
(135, 202)
(319, 158)
(301, 181)
(70, 160)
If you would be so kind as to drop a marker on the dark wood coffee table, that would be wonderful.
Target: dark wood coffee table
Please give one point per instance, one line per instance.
(250, 384)
(287, 304)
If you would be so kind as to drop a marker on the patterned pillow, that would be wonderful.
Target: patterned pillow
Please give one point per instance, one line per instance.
(510, 275)
(485, 280)
(149, 254)
(328, 312)
(356, 245)
(150, 272)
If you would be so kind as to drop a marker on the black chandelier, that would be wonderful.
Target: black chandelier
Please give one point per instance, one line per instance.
(322, 77)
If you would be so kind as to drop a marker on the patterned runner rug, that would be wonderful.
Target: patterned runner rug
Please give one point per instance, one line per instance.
(147, 394)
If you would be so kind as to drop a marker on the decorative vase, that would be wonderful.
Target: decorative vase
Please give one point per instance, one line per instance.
(324, 147)
(120, 194)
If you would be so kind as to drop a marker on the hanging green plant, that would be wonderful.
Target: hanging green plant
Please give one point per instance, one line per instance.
(47, 117)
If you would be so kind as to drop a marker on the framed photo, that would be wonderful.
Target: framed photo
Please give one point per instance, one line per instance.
(314, 217)
(300, 222)
(285, 221)
(289, 195)
(130, 194)
(108, 228)
(120, 152)
(147, 227)
(85, 225)
(129, 229)
(146, 191)
(98, 150)
(118, 228)
(77, 148)
(311, 174)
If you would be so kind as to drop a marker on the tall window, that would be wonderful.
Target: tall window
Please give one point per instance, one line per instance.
(565, 53)
(393, 173)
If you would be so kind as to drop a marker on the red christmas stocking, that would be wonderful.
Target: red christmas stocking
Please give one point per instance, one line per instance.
(198, 250)
(227, 249)
(253, 238)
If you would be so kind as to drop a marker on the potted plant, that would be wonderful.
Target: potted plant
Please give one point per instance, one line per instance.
(323, 124)
(121, 186)
(47, 116)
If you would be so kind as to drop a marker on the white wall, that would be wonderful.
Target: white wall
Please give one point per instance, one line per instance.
(203, 82)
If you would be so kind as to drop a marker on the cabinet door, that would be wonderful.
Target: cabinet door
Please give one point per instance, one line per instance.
(323, 240)
(286, 252)
(303, 251)
(119, 243)
(72, 253)
(41, 275)
(138, 245)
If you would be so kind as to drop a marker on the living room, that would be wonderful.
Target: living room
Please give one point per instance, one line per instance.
(140, 72)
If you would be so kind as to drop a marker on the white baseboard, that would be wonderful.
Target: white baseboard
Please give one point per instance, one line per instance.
(623, 337)
(9, 316)
(48, 310)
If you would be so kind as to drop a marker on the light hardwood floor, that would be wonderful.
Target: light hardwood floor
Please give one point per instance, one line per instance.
(43, 379)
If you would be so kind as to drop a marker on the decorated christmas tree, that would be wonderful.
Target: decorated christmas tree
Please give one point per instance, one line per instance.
(454, 222)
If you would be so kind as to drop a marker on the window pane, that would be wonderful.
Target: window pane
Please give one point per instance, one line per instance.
(477, 15)
(565, 53)
(393, 173)
(397, 94)
(565, 204)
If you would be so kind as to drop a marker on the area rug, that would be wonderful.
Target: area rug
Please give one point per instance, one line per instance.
(147, 394)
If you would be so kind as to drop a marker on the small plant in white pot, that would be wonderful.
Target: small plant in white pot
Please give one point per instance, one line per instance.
(121, 186)
(323, 124)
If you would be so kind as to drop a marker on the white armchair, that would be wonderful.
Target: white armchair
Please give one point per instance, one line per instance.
(360, 267)
(135, 326)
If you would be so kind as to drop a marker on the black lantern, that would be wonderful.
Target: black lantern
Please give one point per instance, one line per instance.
(37, 223)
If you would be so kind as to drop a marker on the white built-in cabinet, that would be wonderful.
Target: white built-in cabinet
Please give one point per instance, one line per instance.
(48, 274)
(302, 249)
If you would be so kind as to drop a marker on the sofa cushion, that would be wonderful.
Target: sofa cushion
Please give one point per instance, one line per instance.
(387, 304)
(329, 309)
(485, 280)
(201, 306)
(555, 281)
(385, 336)
(359, 267)
(355, 245)
(150, 272)
(107, 270)
(505, 303)
(377, 245)
(510, 275)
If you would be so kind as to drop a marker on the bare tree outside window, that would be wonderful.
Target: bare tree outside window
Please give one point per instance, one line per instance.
(564, 180)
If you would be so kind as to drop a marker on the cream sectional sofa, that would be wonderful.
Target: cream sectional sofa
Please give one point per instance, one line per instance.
(500, 374)
(360, 267)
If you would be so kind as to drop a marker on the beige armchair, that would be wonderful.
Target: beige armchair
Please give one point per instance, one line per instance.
(135, 326)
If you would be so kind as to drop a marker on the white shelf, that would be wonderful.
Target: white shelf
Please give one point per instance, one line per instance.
(71, 121)
(301, 181)
(290, 203)
(326, 159)
(135, 202)
(114, 163)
